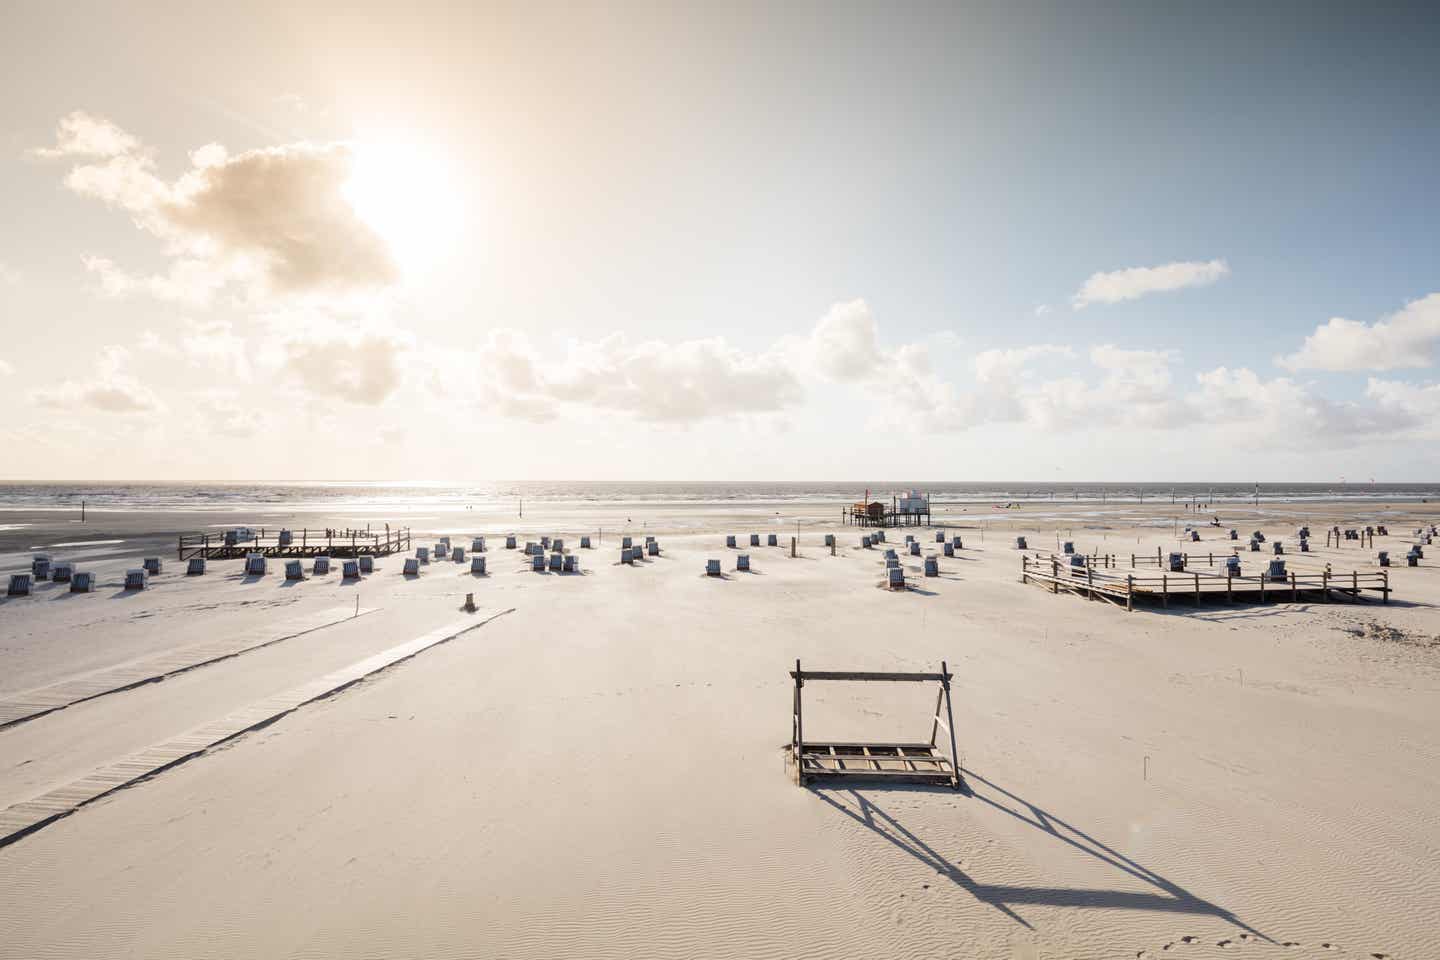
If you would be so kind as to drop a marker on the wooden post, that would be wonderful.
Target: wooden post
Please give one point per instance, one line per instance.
(1355, 584)
(1384, 586)
(1262, 588)
(1229, 586)
(792, 548)
(1197, 589)
(950, 720)
(1129, 592)
(1165, 590)
(1054, 577)
(1325, 582)
(1294, 590)
(935, 719)
(798, 727)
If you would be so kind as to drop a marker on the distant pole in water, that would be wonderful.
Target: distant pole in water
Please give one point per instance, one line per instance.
(522, 506)
(82, 511)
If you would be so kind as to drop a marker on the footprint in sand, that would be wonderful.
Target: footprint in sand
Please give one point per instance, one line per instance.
(1223, 944)
(1328, 946)
(1291, 943)
(1189, 939)
(1380, 956)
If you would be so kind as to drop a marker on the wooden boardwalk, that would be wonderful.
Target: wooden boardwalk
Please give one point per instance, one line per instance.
(1105, 580)
(337, 544)
(17, 708)
(24, 818)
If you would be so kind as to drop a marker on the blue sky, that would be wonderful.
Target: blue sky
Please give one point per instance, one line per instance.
(616, 237)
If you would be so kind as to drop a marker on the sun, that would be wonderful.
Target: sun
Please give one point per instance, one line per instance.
(406, 195)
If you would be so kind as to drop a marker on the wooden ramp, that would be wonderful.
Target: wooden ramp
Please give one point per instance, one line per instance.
(31, 815)
(30, 704)
(894, 762)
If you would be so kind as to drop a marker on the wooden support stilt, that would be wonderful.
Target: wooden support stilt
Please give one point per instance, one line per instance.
(950, 717)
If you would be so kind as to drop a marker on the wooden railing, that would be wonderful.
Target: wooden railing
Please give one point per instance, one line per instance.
(1100, 582)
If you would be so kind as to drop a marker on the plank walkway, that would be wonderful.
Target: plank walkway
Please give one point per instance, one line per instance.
(28, 816)
(17, 708)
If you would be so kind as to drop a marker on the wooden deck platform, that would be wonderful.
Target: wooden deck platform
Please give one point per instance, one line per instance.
(29, 704)
(1104, 578)
(892, 762)
(906, 762)
(24, 818)
(340, 544)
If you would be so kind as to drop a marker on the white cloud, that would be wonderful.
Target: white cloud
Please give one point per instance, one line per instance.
(1407, 338)
(215, 344)
(683, 382)
(277, 219)
(228, 414)
(1003, 368)
(364, 369)
(6, 368)
(1406, 403)
(1285, 412)
(1135, 282)
(845, 344)
(110, 389)
(187, 280)
(80, 135)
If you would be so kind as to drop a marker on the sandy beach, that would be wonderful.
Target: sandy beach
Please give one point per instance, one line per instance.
(601, 769)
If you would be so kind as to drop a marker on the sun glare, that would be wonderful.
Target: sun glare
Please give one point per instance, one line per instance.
(404, 194)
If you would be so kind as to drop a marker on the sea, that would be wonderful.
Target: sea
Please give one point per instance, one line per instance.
(413, 495)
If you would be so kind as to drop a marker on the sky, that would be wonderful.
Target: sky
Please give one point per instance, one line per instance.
(1052, 242)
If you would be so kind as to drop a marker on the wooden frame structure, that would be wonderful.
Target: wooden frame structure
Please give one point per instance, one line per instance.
(1096, 582)
(895, 762)
(338, 544)
(873, 513)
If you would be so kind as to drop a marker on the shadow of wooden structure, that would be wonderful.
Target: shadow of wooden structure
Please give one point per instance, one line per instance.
(830, 760)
